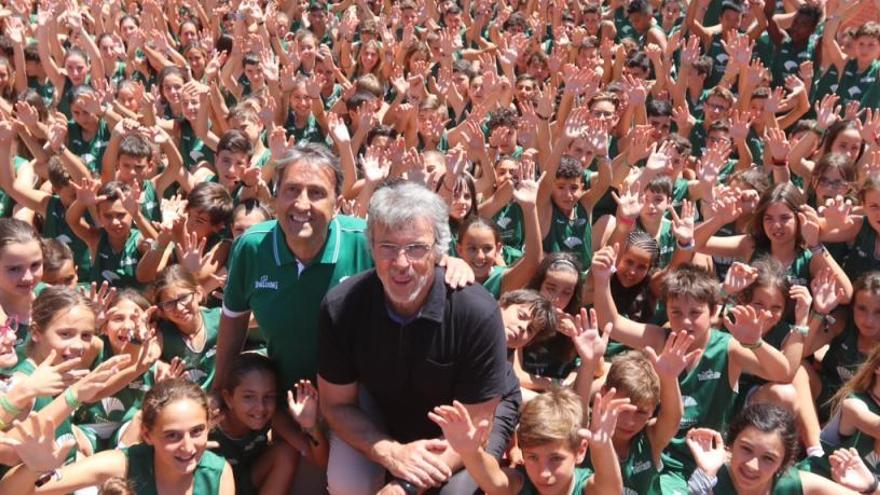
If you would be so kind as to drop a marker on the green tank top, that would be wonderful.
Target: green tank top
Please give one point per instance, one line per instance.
(117, 268)
(192, 148)
(141, 474)
(56, 226)
(707, 399)
(91, 152)
(862, 442)
(510, 222)
(798, 272)
(241, 453)
(493, 283)
(861, 257)
(842, 359)
(826, 84)
(788, 483)
(310, 133)
(199, 364)
(570, 235)
(621, 22)
(854, 85)
(66, 98)
(63, 431)
(719, 61)
(640, 475)
(581, 477)
(150, 202)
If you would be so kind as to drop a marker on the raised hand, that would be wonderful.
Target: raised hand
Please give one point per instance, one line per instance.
(828, 293)
(603, 416)
(87, 191)
(659, 158)
(176, 368)
(809, 225)
(280, 144)
(525, 189)
(674, 358)
(458, 427)
(87, 389)
(803, 301)
(748, 324)
(848, 469)
(604, 263)
(303, 404)
(683, 226)
(629, 204)
(739, 276)
(35, 443)
(375, 166)
(190, 251)
(101, 298)
(707, 448)
(827, 112)
(589, 342)
(777, 143)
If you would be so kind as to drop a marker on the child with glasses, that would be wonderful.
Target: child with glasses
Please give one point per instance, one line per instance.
(187, 330)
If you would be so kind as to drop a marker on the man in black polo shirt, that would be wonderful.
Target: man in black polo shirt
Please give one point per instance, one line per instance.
(395, 342)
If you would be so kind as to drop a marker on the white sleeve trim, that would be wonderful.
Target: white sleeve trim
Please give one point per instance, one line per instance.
(234, 314)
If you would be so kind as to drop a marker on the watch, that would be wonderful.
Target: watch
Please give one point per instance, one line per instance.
(408, 487)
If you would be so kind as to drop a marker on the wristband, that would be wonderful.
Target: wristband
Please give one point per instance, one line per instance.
(408, 487)
(686, 247)
(780, 163)
(71, 399)
(626, 220)
(754, 346)
(9, 406)
(818, 249)
(542, 117)
(801, 329)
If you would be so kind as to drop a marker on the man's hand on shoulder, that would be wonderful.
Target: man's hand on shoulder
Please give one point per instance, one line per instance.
(419, 462)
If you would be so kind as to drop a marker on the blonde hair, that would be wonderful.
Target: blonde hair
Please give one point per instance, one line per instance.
(553, 416)
(632, 375)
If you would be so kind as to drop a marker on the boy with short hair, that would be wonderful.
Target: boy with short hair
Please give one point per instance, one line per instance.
(554, 442)
(857, 74)
(709, 388)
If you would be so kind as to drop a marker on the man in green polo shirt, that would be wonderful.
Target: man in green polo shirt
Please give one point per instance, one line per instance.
(280, 270)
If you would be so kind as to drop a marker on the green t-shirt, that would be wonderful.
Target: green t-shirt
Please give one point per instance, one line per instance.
(493, 283)
(265, 278)
(581, 477)
(141, 475)
(512, 225)
(640, 475)
(788, 483)
(192, 148)
(199, 365)
(861, 259)
(854, 84)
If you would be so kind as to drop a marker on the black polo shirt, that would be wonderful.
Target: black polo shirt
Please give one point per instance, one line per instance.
(454, 349)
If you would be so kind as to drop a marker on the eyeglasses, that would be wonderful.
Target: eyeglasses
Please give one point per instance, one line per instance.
(717, 107)
(173, 304)
(413, 252)
(11, 325)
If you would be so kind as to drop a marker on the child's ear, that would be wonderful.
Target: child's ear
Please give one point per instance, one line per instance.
(581, 453)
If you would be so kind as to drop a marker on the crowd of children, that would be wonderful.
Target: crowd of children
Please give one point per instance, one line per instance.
(676, 204)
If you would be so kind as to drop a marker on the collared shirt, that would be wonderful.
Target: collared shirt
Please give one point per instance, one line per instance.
(284, 296)
(454, 349)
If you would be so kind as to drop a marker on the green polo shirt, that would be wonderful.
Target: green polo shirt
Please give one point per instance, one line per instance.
(265, 278)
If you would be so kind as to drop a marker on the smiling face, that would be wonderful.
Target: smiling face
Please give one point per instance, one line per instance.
(253, 400)
(123, 319)
(21, 268)
(180, 305)
(172, 88)
(480, 249)
(517, 318)
(867, 49)
(69, 333)
(462, 201)
(633, 266)
(656, 204)
(566, 193)
(780, 223)
(76, 68)
(305, 203)
(406, 278)
(769, 299)
(755, 458)
(179, 436)
(550, 466)
(830, 184)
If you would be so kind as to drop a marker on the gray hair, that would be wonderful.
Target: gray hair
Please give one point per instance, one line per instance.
(314, 154)
(402, 203)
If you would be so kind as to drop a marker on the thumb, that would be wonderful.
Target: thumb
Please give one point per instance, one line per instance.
(63, 449)
(50, 358)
